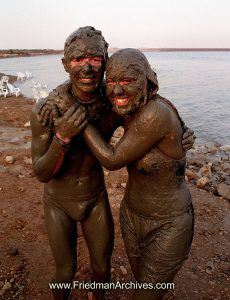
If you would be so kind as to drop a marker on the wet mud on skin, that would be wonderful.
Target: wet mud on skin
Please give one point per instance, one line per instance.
(205, 275)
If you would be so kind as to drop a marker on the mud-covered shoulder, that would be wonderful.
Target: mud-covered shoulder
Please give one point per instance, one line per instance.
(155, 113)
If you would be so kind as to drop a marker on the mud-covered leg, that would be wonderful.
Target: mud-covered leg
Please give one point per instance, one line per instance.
(163, 253)
(129, 238)
(98, 230)
(62, 237)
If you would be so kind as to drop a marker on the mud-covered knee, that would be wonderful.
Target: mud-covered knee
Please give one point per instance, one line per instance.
(65, 274)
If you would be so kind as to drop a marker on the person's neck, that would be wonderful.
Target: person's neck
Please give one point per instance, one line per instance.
(85, 98)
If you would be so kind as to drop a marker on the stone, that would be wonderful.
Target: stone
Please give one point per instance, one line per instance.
(225, 148)
(14, 251)
(27, 124)
(10, 159)
(106, 173)
(190, 174)
(201, 150)
(7, 286)
(4, 213)
(28, 160)
(224, 190)
(123, 184)
(123, 270)
(209, 267)
(205, 171)
(202, 182)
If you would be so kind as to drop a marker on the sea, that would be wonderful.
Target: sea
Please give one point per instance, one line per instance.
(197, 83)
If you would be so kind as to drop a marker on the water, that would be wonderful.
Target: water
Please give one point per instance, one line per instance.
(198, 83)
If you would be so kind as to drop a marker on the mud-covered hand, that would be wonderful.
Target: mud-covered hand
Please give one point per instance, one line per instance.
(48, 113)
(71, 123)
(188, 139)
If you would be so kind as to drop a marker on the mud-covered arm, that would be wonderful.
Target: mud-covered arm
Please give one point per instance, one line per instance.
(143, 133)
(47, 153)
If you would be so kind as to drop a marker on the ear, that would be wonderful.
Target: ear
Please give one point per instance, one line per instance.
(64, 62)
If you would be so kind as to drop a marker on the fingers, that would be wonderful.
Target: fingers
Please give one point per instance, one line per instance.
(83, 124)
(46, 117)
(79, 113)
(54, 114)
(71, 110)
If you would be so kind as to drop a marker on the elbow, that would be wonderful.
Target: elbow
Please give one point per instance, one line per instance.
(40, 175)
(112, 165)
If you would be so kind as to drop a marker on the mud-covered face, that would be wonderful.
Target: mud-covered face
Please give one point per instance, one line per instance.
(126, 87)
(85, 64)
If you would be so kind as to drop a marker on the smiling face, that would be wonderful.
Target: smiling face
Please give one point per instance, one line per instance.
(84, 60)
(126, 85)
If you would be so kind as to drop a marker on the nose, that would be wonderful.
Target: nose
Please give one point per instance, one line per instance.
(86, 68)
(117, 91)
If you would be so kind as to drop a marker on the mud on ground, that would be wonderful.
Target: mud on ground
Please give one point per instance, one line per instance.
(26, 263)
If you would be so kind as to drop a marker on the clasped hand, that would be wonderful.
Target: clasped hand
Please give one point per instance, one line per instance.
(71, 123)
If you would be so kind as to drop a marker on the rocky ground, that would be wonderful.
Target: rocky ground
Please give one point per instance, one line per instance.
(26, 263)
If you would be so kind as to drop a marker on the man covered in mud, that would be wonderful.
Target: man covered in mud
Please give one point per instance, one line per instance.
(74, 182)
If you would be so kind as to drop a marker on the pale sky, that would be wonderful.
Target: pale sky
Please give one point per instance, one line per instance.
(124, 23)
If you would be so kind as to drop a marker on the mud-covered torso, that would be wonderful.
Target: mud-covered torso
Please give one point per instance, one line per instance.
(156, 186)
(81, 173)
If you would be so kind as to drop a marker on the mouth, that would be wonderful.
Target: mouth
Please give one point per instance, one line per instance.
(86, 80)
(121, 101)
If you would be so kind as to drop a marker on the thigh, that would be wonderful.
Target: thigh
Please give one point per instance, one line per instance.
(98, 230)
(165, 249)
(129, 237)
(62, 235)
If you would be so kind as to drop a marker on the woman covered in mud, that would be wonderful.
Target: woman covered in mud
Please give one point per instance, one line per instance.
(156, 213)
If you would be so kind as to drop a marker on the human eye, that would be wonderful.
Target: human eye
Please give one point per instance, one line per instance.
(126, 81)
(96, 61)
(110, 82)
(77, 61)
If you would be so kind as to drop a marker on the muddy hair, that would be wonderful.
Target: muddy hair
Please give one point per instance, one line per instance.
(84, 32)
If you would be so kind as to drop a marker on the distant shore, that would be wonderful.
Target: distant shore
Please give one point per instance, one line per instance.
(35, 52)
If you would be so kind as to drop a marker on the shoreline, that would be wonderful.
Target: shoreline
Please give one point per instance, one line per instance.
(12, 53)
(207, 164)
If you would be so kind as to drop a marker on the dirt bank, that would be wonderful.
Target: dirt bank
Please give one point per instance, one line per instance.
(26, 263)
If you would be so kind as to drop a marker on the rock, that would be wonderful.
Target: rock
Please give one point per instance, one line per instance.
(1, 284)
(123, 184)
(190, 174)
(196, 162)
(10, 159)
(210, 267)
(14, 251)
(7, 286)
(4, 213)
(2, 292)
(186, 178)
(201, 150)
(202, 182)
(205, 171)
(123, 270)
(27, 124)
(224, 190)
(21, 176)
(112, 270)
(28, 160)
(225, 148)
(226, 167)
(106, 173)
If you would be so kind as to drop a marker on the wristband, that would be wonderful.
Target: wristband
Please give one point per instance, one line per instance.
(63, 144)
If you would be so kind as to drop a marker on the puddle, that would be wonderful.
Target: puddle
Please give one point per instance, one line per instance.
(14, 138)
